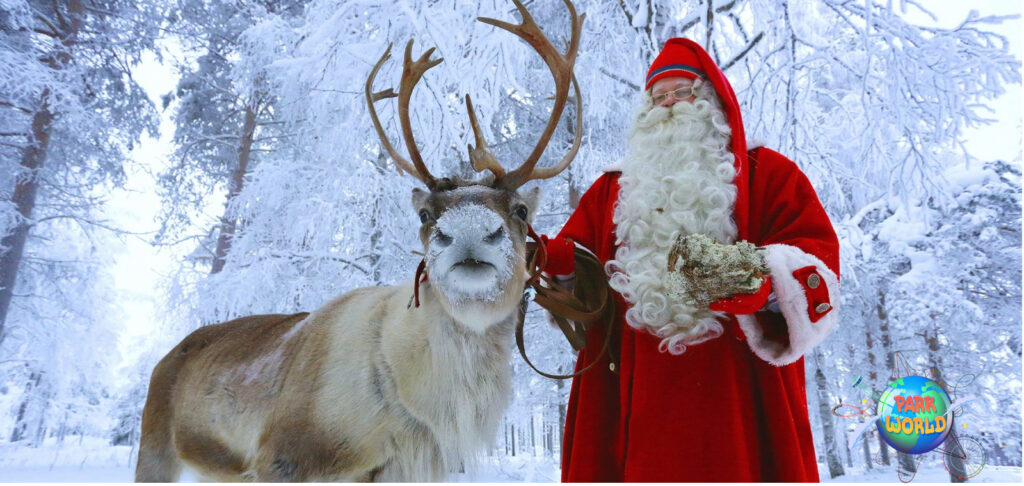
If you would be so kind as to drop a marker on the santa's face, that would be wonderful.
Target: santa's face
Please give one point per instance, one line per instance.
(671, 90)
(677, 179)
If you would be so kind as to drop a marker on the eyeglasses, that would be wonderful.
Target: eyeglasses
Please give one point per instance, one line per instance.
(679, 94)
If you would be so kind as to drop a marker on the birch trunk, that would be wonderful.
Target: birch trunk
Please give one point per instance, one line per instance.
(883, 448)
(867, 454)
(955, 458)
(906, 462)
(835, 464)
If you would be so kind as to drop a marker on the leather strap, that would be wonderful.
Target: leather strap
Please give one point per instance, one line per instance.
(588, 304)
(418, 279)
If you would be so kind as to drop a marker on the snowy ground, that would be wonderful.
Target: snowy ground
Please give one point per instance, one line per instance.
(94, 460)
(927, 473)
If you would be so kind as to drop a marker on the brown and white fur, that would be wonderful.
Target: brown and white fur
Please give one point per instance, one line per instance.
(366, 388)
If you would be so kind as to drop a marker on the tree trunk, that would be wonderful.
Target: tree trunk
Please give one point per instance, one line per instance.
(32, 159)
(549, 437)
(375, 246)
(835, 464)
(883, 448)
(21, 421)
(375, 250)
(513, 429)
(533, 437)
(709, 24)
(867, 454)
(905, 461)
(12, 247)
(62, 430)
(506, 438)
(954, 453)
(39, 435)
(228, 222)
(849, 455)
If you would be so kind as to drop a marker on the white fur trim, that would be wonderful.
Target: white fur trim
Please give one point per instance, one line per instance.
(782, 260)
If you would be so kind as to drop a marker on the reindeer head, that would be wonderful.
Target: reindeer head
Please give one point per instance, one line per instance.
(474, 232)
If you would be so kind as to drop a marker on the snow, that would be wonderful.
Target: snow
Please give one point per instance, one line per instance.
(77, 460)
(963, 176)
(94, 460)
(927, 473)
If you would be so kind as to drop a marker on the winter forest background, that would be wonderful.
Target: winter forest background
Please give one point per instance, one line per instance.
(165, 165)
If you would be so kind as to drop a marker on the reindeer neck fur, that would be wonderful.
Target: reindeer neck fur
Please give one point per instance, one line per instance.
(467, 387)
(448, 381)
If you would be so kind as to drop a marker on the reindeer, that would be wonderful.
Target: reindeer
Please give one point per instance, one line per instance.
(400, 383)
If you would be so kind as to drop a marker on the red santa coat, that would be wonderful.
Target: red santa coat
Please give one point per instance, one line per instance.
(732, 408)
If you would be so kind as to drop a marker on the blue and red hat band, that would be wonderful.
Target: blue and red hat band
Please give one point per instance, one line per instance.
(675, 67)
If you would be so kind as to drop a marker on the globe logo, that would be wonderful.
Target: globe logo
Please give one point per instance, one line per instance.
(912, 415)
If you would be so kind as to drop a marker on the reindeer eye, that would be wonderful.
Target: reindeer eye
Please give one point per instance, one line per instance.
(424, 216)
(520, 212)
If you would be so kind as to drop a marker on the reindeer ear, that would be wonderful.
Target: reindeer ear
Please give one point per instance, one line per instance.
(419, 198)
(531, 199)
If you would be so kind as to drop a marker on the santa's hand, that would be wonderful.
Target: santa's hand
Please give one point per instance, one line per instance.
(561, 255)
(745, 303)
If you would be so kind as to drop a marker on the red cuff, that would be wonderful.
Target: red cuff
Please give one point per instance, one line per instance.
(561, 255)
(816, 290)
(745, 303)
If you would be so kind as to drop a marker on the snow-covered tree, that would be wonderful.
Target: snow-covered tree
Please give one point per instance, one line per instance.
(225, 113)
(70, 112)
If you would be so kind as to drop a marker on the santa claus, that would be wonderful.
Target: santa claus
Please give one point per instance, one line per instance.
(702, 392)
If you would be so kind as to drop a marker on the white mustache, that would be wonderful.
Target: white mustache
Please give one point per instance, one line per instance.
(661, 114)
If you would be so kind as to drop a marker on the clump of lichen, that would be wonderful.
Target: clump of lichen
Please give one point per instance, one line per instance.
(702, 271)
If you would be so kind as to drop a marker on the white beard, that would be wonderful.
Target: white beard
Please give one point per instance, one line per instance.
(677, 179)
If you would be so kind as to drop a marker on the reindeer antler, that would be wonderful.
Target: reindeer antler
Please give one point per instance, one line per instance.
(412, 72)
(480, 156)
(561, 69)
